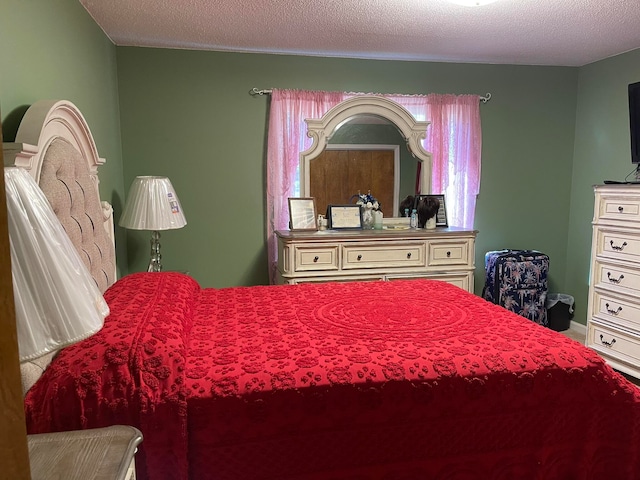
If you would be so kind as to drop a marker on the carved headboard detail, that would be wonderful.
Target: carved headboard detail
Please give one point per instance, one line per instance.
(54, 144)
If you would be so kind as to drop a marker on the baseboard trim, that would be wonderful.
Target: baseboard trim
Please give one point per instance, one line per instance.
(578, 327)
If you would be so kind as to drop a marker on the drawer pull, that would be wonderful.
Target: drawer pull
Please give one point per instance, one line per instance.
(605, 343)
(408, 255)
(448, 254)
(618, 247)
(613, 312)
(315, 259)
(614, 280)
(359, 257)
(620, 209)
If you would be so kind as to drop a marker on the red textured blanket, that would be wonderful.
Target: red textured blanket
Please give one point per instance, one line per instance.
(379, 380)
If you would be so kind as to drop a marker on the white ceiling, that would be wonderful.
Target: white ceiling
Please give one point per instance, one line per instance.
(529, 32)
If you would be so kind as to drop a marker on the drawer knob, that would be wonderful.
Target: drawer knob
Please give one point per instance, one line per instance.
(605, 343)
(359, 257)
(614, 280)
(618, 247)
(611, 311)
(448, 254)
(620, 209)
(315, 259)
(409, 255)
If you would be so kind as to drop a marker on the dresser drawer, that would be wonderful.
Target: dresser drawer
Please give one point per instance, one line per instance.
(616, 310)
(448, 253)
(384, 256)
(619, 207)
(614, 343)
(463, 280)
(619, 245)
(613, 277)
(315, 258)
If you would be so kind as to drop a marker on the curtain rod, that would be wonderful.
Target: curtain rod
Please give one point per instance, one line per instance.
(265, 91)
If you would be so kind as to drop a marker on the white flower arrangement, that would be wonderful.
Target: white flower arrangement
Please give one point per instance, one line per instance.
(367, 200)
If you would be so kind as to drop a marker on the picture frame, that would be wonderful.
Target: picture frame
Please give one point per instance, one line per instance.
(441, 215)
(302, 214)
(344, 217)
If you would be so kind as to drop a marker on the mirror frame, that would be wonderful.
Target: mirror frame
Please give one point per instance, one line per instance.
(321, 130)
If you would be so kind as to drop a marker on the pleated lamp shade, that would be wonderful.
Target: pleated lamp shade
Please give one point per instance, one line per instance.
(57, 301)
(152, 204)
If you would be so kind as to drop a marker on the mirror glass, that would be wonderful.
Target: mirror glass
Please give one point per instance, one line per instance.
(363, 144)
(368, 133)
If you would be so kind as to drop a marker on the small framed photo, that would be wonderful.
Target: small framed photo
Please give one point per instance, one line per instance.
(302, 214)
(343, 217)
(441, 215)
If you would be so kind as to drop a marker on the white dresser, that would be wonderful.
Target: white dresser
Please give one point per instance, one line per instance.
(345, 255)
(613, 318)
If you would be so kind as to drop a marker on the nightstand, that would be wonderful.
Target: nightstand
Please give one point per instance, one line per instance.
(95, 454)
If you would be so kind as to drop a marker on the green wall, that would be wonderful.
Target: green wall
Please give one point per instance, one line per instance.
(188, 115)
(52, 49)
(602, 152)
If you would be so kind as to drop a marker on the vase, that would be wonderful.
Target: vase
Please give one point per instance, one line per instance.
(367, 218)
(377, 220)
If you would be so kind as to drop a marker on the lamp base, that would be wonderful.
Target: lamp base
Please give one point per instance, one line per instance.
(155, 262)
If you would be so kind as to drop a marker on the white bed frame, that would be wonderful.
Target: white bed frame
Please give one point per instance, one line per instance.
(44, 122)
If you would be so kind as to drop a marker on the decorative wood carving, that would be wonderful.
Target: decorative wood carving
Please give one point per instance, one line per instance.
(45, 121)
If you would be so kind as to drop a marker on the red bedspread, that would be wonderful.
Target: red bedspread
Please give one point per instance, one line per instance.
(394, 380)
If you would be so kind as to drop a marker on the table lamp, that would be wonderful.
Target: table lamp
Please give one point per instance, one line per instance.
(57, 301)
(153, 205)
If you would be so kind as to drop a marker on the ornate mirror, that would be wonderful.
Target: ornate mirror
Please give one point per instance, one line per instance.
(386, 167)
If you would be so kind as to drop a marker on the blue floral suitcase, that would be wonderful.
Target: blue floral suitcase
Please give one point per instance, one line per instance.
(517, 281)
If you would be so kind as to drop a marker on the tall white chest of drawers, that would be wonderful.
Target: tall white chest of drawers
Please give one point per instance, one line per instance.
(613, 321)
(446, 254)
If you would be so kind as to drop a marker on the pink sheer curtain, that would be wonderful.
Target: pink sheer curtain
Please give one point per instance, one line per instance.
(287, 137)
(453, 138)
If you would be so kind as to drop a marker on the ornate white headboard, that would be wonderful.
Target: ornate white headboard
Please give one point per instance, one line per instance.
(54, 144)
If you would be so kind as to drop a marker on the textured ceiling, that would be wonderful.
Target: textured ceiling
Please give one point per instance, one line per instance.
(530, 32)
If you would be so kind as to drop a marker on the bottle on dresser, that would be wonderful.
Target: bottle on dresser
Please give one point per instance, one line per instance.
(413, 222)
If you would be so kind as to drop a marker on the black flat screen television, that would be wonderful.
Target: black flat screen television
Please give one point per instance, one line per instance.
(634, 121)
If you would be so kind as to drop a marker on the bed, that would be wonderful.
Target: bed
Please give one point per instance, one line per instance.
(409, 379)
